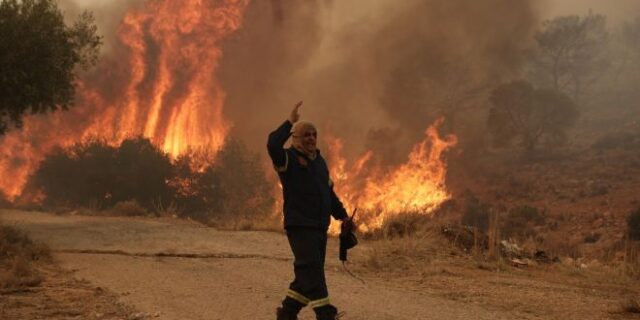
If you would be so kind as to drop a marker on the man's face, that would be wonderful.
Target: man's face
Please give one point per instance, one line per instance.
(309, 138)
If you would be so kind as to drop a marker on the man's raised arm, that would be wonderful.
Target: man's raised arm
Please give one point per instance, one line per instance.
(277, 139)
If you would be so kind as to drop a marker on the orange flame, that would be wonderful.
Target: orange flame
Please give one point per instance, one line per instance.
(158, 83)
(418, 185)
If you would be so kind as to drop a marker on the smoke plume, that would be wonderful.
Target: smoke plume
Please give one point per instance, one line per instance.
(374, 73)
(371, 72)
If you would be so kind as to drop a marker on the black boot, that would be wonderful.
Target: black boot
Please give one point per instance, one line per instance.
(289, 310)
(284, 313)
(327, 312)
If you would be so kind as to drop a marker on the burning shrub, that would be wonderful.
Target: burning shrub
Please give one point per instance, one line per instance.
(98, 175)
(79, 176)
(137, 177)
(141, 173)
(233, 186)
(243, 187)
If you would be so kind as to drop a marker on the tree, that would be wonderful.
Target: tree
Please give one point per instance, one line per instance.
(39, 56)
(571, 53)
(523, 113)
(630, 37)
(625, 83)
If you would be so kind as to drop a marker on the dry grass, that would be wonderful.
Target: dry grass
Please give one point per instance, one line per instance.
(129, 208)
(420, 245)
(401, 253)
(491, 263)
(244, 223)
(405, 225)
(19, 273)
(416, 244)
(412, 243)
(14, 242)
(484, 275)
(630, 305)
(82, 211)
(18, 256)
(632, 259)
(170, 211)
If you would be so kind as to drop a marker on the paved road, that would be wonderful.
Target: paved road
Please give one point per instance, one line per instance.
(181, 270)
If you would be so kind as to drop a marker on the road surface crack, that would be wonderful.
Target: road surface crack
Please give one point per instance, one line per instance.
(221, 255)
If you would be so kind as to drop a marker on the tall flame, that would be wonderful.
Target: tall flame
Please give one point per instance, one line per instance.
(159, 82)
(417, 185)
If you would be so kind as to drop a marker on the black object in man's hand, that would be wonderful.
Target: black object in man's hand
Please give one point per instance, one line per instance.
(348, 237)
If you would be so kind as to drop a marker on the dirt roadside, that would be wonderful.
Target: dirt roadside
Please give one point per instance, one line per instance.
(62, 296)
(181, 270)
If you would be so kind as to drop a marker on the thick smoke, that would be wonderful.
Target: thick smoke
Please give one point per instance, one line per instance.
(616, 11)
(371, 72)
(374, 72)
(108, 16)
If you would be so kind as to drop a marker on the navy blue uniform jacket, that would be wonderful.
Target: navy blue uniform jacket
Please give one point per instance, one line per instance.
(309, 199)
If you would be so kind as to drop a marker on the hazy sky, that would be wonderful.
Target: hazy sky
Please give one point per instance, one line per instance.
(614, 9)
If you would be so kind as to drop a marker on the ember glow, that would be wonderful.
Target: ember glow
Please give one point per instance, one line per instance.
(415, 186)
(159, 82)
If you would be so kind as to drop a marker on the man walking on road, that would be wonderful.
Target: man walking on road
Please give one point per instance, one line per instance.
(309, 201)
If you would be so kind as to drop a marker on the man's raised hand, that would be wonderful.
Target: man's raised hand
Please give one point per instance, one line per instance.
(295, 115)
